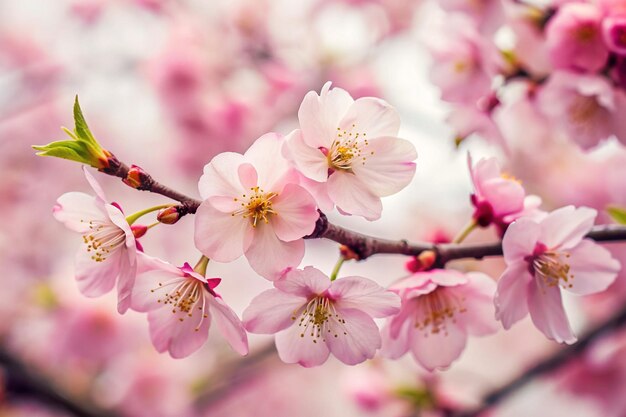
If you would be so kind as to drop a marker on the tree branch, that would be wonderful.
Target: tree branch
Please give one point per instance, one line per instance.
(362, 245)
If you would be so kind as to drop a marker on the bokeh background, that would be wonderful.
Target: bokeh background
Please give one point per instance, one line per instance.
(167, 84)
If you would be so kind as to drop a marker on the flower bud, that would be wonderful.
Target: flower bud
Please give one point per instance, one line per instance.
(136, 177)
(348, 254)
(169, 215)
(422, 262)
(138, 230)
(614, 32)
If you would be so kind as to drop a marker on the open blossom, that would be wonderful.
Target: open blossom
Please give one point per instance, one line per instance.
(314, 317)
(109, 252)
(181, 304)
(349, 149)
(498, 198)
(545, 257)
(440, 309)
(587, 107)
(254, 206)
(574, 38)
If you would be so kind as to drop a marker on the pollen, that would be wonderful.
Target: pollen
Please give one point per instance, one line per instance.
(186, 298)
(102, 239)
(553, 269)
(347, 149)
(256, 206)
(319, 320)
(436, 310)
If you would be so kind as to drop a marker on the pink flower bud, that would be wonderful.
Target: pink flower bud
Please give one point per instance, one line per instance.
(614, 32)
(139, 230)
(136, 177)
(169, 215)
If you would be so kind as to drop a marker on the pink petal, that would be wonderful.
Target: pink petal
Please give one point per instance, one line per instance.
(546, 310)
(126, 282)
(565, 227)
(269, 256)
(405, 318)
(297, 213)
(304, 283)
(520, 240)
(394, 348)
(319, 191)
(372, 116)
(505, 196)
(247, 176)
(95, 185)
(220, 236)
(319, 116)
(388, 167)
(266, 156)
(357, 339)
(353, 196)
(228, 324)
(75, 210)
(221, 177)
(272, 311)
(147, 292)
(511, 299)
(311, 162)
(169, 333)
(365, 295)
(97, 278)
(593, 268)
(295, 345)
(484, 170)
(446, 277)
(438, 350)
(478, 318)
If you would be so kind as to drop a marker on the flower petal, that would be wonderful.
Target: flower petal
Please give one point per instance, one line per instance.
(565, 227)
(546, 310)
(75, 210)
(311, 162)
(97, 278)
(365, 295)
(228, 324)
(126, 282)
(319, 116)
(266, 156)
(388, 166)
(149, 290)
(297, 346)
(372, 116)
(520, 240)
(304, 282)
(269, 256)
(478, 318)
(355, 339)
(272, 311)
(221, 176)
(297, 213)
(353, 196)
(438, 350)
(593, 268)
(94, 184)
(394, 348)
(511, 299)
(221, 236)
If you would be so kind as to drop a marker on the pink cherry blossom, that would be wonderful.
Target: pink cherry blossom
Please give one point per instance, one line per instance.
(545, 257)
(574, 38)
(110, 251)
(314, 317)
(587, 107)
(499, 199)
(350, 149)
(254, 206)
(614, 32)
(181, 304)
(440, 309)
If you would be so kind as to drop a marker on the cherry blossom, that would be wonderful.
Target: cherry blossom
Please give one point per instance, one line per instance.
(350, 149)
(110, 250)
(440, 309)
(499, 199)
(314, 317)
(181, 304)
(548, 256)
(254, 206)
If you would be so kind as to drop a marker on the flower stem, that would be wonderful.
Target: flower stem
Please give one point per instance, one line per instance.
(465, 232)
(200, 267)
(340, 261)
(133, 217)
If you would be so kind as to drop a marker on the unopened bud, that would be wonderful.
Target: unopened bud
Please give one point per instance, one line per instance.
(136, 178)
(169, 215)
(348, 254)
(422, 262)
(138, 230)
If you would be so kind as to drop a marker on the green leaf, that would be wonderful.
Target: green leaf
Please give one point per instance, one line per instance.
(82, 147)
(617, 213)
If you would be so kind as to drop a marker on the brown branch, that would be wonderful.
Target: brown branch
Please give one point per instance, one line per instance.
(553, 362)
